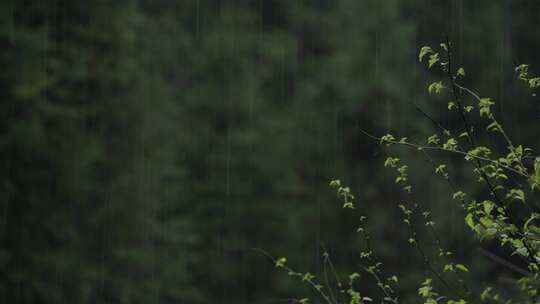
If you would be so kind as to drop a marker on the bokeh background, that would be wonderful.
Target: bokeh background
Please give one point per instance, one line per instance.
(147, 146)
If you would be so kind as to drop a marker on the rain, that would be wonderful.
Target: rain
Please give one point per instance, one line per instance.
(269, 151)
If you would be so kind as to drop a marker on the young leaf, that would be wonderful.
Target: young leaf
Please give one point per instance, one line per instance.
(522, 71)
(281, 262)
(441, 169)
(423, 52)
(469, 220)
(433, 140)
(436, 87)
(494, 127)
(459, 195)
(444, 46)
(516, 194)
(388, 138)
(434, 58)
(462, 267)
(484, 105)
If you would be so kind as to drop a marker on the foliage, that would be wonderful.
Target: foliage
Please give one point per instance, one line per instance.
(506, 213)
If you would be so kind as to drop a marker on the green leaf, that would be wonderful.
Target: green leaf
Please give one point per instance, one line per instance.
(308, 277)
(534, 82)
(516, 194)
(335, 183)
(280, 263)
(423, 52)
(469, 220)
(391, 162)
(448, 267)
(444, 46)
(488, 206)
(388, 138)
(522, 71)
(353, 276)
(433, 139)
(462, 267)
(461, 72)
(522, 251)
(491, 232)
(459, 195)
(433, 58)
(348, 205)
(436, 87)
(533, 217)
(486, 293)
(484, 105)
(440, 169)
(451, 144)
(494, 127)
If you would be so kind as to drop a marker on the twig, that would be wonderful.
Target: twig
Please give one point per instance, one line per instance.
(503, 262)
(421, 147)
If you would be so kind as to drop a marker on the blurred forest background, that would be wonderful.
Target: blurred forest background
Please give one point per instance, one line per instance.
(147, 146)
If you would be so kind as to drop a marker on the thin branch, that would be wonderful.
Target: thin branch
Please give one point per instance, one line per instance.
(442, 129)
(326, 262)
(291, 271)
(473, 94)
(500, 202)
(421, 147)
(503, 262)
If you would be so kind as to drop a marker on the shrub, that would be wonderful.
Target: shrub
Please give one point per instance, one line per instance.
(506, 213)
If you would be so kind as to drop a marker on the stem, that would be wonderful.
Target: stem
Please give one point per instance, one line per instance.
(291, 271)
(421, 147)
